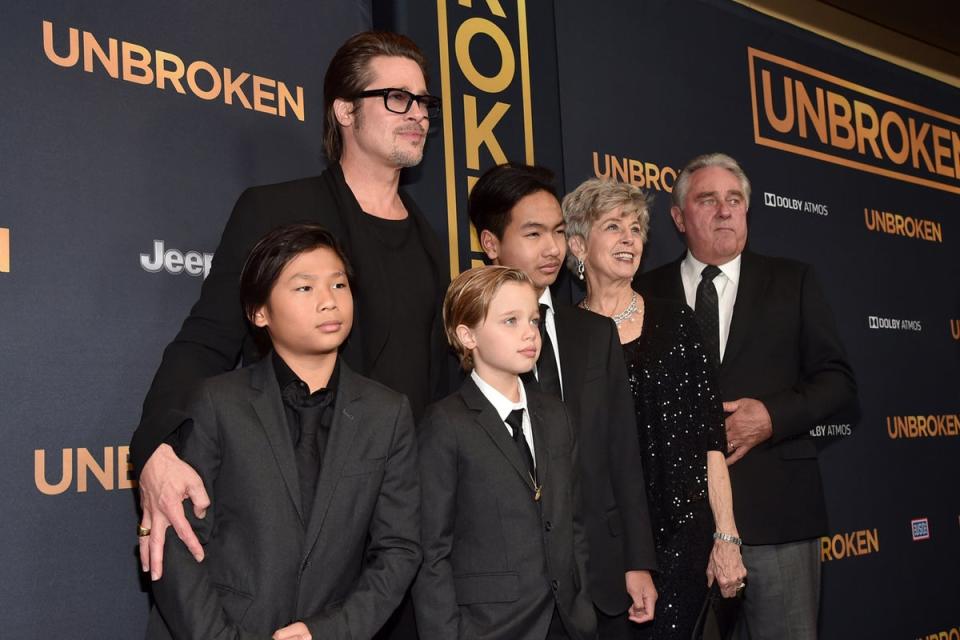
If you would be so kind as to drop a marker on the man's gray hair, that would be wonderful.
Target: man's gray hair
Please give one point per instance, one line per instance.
(682, 185)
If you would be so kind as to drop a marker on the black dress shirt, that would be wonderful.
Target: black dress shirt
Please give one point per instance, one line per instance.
(308, 415)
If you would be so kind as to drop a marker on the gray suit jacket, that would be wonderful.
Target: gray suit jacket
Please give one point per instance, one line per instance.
(497, 563)
(344, 571)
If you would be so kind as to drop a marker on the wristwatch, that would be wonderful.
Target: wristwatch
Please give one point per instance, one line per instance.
(727, 538)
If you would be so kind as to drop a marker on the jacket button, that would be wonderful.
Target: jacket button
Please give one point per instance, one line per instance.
(548, 525)
(554, 584)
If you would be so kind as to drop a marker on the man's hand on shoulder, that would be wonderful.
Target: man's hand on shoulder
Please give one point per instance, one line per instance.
(644, 595)
(165, 482)
(748, 425)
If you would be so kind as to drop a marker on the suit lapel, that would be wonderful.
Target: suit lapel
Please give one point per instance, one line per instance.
(428, 240)
(273, 420)
(573, 357)
(749, 291)
(370, 274)
(346, 422)
(487, 419)
(373, 277)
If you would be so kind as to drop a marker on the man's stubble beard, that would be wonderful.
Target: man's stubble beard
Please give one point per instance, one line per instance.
(402, 159)
(406, 159)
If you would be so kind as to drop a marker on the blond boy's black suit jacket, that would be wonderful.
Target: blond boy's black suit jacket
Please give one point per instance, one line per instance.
(784, 350)
(497, 563)
(344, 571)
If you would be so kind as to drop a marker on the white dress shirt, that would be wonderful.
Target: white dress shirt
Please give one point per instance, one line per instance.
(551, 324)
(726, 284)
(504, 406)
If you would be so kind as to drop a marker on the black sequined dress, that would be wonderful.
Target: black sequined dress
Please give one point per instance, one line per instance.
(679, 419)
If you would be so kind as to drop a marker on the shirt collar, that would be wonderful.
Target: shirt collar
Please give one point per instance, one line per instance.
(286, 376)
(500, 402)
(546, 298)
(693, 267)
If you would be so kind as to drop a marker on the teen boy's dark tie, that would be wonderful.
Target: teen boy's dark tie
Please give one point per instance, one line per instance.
(547, 375)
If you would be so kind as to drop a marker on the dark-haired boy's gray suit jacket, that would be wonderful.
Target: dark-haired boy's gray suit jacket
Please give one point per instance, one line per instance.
(347, 569)
(497, 563)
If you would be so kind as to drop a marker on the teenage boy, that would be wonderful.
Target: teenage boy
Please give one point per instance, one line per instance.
(504, 547)
(517, 214)
(314, 528)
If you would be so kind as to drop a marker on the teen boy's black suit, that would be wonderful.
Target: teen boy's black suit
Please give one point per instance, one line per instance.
(597, 394)
(343, 572)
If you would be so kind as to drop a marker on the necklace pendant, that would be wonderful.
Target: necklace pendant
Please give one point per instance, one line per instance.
(536, 487)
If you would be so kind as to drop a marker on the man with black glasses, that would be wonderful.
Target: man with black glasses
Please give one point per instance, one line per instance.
(377, 116)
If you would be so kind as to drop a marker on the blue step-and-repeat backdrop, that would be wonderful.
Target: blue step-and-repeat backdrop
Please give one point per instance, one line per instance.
(128, 131)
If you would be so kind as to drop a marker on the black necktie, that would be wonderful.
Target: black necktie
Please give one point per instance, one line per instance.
(314, 417)
(548, 378)
(707, 313)
(515, 420)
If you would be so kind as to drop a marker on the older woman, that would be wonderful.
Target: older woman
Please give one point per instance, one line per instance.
(679, 416)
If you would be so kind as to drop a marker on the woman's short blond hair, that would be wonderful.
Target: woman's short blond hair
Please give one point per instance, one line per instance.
(468, 300)
(584, 205)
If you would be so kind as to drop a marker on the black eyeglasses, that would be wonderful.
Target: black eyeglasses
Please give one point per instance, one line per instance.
(400, 101)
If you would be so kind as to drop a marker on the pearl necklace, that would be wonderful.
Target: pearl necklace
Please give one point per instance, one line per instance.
(619, 318)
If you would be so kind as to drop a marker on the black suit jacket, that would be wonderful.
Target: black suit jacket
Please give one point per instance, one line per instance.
(497, 563)
(345, 570)
(784, 350)
(215, 334)
(597, 394)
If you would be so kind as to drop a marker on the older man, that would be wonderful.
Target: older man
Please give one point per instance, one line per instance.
(781, 370)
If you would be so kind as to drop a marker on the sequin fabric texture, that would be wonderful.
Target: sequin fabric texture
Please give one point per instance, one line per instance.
(679, 419)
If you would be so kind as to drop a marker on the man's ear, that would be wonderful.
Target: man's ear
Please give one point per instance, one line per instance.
(343, 111)
(260, 317)
(677, 214)
(577, 246)
(490, 244)
(466, 336)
